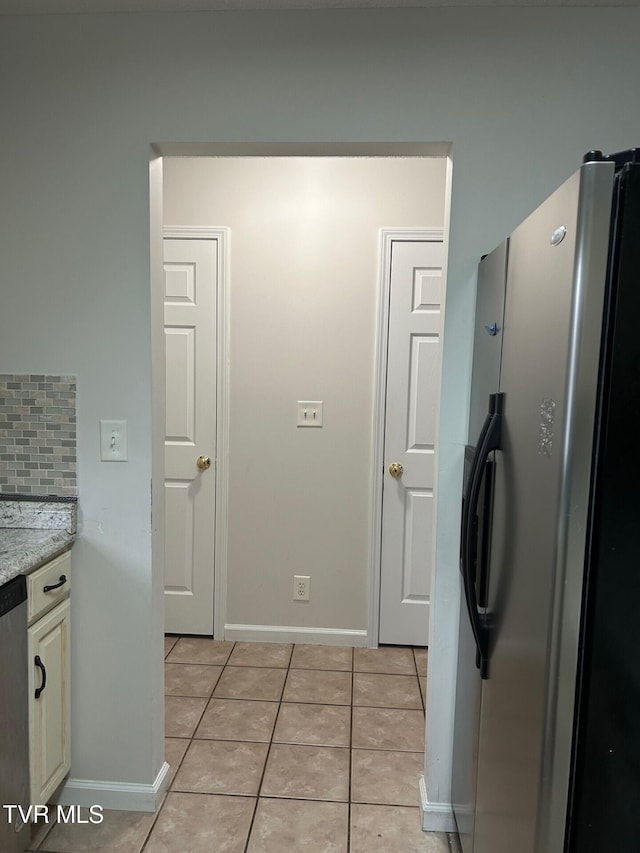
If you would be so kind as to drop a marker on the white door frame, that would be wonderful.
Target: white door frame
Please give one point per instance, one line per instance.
(222, 236)
(268, 149)
(387, 237)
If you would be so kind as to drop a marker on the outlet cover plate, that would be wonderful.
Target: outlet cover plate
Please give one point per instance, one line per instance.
(310, 413)
(113, 441)
(301, 585)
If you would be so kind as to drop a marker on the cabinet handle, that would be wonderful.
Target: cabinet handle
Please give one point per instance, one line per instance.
(42, 669)
(61, 582)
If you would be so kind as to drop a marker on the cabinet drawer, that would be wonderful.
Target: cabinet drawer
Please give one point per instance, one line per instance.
(44, 587)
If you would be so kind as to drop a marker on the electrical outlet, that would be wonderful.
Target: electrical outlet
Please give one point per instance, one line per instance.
(301, 587)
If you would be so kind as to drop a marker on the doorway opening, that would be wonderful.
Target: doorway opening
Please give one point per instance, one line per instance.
(303, 324)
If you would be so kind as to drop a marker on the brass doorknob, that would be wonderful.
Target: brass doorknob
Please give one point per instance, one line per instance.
(396, 469)
(203, 462)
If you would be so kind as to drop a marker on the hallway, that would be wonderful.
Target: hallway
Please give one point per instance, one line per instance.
(276, 748)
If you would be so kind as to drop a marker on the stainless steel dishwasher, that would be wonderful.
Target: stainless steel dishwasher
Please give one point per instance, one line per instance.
(14, 716)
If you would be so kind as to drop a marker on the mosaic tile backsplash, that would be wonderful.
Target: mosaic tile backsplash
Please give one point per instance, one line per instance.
(38, 434)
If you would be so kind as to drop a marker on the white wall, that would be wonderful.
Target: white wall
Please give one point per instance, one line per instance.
(520, 93)
(303, 295)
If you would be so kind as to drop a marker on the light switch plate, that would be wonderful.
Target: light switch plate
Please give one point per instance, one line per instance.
(310, 413)
(113, 441)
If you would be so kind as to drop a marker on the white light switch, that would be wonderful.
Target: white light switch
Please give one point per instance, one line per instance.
(113, 441)
(310, 413)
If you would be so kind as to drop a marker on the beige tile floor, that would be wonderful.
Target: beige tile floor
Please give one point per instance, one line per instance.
(276, 748)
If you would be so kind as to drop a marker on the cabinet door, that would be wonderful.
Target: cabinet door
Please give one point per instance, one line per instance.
(49, 729)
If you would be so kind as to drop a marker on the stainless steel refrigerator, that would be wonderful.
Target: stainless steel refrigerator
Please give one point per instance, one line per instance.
(547, 730)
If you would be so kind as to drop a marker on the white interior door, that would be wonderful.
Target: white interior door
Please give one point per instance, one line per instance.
(412, 408)
(190, 434)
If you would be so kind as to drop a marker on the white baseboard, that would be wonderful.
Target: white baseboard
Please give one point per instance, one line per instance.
(122, 796)
(436, 817)
(285, 634)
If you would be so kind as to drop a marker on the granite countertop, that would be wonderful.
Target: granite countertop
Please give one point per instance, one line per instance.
(32, 532)
(24, 549)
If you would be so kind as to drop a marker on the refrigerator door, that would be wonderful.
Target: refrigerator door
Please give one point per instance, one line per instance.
(542, 326)
(485, 379)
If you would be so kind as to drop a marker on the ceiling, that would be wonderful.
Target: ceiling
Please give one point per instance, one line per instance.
(39, 7)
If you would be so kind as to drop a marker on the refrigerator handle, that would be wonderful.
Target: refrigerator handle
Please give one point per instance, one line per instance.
(485, 532)
(468, 532)
(489, 441)
(465, 502)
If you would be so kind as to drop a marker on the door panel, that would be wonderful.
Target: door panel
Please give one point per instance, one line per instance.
(179, 501)
(424, 376)
(49, 714)
(418, 518)
(180, 353)
(412, 406)
(190, 432)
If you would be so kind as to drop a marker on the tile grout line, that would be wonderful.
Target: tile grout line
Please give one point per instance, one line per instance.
(157, 814)
(353, 663)
(164, 799)
(264, 768)
(420, 676)
(156, 817)
(191, 739)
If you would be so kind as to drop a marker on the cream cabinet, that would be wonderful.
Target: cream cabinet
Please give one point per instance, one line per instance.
(48, 591)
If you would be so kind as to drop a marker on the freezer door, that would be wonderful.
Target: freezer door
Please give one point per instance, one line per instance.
(542, 329)
(487, 348)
